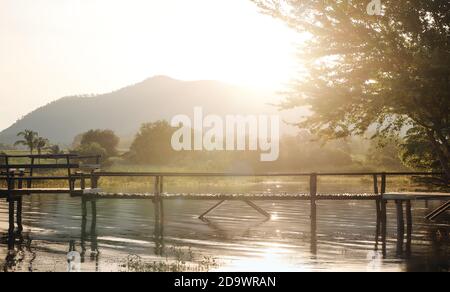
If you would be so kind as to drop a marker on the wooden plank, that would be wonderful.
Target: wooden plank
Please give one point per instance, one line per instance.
(439, 211)
(44, 191)
(211, 209)
(39, 178)
(416, 196)
(43, 156)
(90, 166)
(258, 209)
(233, 197)
(282, 174)
(39, 166)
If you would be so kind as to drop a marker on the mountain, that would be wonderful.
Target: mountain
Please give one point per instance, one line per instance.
(126, 109)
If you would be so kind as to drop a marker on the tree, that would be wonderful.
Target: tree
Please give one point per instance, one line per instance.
(91, 149)
(105, 138)
(55, 150)
(41, 144)
(29, 140)
(389, 73)
(385, 155)
(152, 144)
(416, 151)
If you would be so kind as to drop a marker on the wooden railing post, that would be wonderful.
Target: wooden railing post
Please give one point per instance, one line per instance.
(69, 175)
(11, 186)
(94, 180)
(94, 217)
(400, 226)
(383, 183)
(375, 184)
(83, 224)
(376, 191)
(161, 201)
(313, 197)
(409, 226)
(156, 199)
(383, 212)
(82, 180)
(30, 182)
(20, 201)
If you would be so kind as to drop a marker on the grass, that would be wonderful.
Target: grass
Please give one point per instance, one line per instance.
(230, 184)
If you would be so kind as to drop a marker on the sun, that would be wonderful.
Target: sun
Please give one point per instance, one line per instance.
(228, 41)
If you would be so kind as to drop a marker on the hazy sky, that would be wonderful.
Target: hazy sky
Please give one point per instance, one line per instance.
(55, 48)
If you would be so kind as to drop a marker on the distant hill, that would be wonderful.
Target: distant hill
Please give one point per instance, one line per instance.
(126, 109)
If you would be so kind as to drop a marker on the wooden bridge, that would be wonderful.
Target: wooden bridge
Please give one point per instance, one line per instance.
(82, 176)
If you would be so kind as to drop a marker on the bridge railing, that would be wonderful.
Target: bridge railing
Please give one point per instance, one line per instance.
(16, 173)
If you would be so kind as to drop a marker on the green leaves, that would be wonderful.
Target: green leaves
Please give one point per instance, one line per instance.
(30, 140)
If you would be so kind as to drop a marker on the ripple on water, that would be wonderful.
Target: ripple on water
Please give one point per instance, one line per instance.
(234, 235)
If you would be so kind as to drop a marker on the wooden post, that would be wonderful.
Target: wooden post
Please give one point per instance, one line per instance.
(69, 175)
(384, 220)
(82, 181)
(378, 209)
(383, 183)
(11, 216)
(375, 184)
(94, 185)
(94, 180)
(11, 185)
(156, 200)
(409, 226)
(384, 225)
(84, 208)
(400, 226)
(94, 217)
(313, 195)
(20, 203)
(161, 202)
(157, 208)
(379, 221)
(83, 227)
(30, 182)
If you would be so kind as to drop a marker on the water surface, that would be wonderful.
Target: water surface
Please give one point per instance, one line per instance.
(234, 238)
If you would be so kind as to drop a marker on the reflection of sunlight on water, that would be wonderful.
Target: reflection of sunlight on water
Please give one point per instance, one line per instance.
(375, 259)
(274, 216)
(237, 243)
(273, 259)
(123, 240)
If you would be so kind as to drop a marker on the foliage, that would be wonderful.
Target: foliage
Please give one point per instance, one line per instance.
(180, 260)
(302, 153)
(388, 72)
(385, 156)
(152, 145)
(106, 139)
(55, 150)
(41, 144)
(416, 151)
(30, 139)
(91, 149)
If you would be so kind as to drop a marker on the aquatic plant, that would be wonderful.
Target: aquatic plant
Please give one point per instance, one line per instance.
(176, 260)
